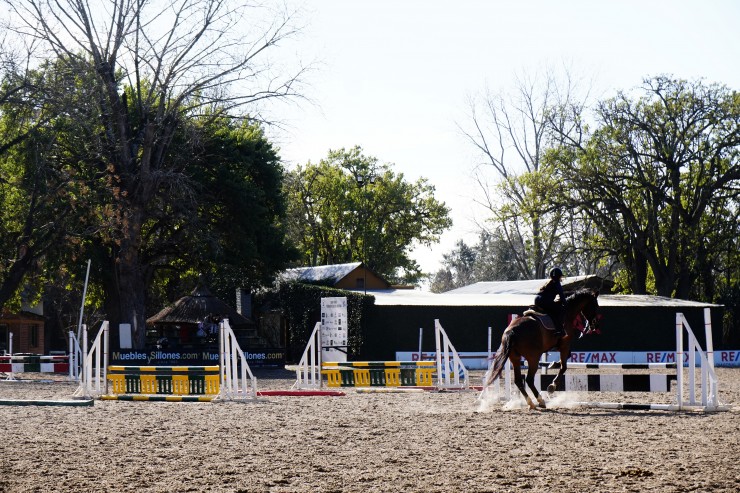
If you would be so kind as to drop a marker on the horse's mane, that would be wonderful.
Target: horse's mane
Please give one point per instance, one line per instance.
(580, 294)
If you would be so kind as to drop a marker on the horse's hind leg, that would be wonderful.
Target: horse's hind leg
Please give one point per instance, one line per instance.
(531, 372)
(519, 381)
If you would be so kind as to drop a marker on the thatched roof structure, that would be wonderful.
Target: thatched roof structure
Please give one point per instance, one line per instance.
(196, 307)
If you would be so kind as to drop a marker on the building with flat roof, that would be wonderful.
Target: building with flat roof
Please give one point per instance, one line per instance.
(628, 323)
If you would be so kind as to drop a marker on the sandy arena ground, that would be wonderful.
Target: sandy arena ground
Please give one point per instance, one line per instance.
(392, 442)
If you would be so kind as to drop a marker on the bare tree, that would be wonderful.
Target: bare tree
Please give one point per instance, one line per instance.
(149, 67)
(512, 133)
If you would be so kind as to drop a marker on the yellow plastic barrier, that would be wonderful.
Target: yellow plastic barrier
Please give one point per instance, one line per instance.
(380, 373)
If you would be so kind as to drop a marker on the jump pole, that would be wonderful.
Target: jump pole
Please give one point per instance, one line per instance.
(421, 334)
(451, 372)
(10, 376)
(82, 306)
(308, 371)
(41, 402)
(708, 382)
(490, 354)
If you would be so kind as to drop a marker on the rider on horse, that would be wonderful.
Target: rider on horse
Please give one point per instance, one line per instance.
(545, 299)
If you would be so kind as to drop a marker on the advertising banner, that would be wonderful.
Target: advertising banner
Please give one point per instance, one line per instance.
(176, 357)
(479, 360)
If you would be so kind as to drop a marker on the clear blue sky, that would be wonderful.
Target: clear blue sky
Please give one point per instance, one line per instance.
(394, 76)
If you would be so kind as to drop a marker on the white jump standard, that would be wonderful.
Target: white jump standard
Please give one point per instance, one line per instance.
(649, 382)
(231, 380)
(449, 369)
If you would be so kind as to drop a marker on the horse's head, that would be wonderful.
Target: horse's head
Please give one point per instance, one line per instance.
(586, 304)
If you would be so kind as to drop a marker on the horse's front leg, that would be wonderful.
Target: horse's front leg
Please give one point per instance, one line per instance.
(564, 355)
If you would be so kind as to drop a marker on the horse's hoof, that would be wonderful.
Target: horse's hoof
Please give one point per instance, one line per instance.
(541, 403)
(551, 388)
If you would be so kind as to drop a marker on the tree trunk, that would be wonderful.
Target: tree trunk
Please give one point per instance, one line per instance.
(125, 283)
(640, 272)
(15, 275)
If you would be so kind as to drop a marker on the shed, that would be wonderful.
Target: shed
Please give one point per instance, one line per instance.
(28, 332)
(180, 322)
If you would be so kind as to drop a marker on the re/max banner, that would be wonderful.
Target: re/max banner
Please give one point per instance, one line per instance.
(479, 360)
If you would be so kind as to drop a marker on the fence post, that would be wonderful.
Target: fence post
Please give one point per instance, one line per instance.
(679, 359)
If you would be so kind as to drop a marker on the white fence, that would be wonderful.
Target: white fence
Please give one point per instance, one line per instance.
(237, 381)
(308, 371)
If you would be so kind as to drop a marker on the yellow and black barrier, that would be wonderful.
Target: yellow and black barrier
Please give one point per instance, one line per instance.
(380, 373)
(164, 383)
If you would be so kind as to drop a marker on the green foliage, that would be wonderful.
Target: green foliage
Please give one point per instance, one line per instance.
(42, 197)
(530, 222)
(301, 305)
(658, 178)
(214, 208)
(228, 224)
(348, 208)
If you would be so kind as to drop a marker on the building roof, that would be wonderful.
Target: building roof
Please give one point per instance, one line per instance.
(531, 287)
(521, 294)
(195, 307)
(320, 273)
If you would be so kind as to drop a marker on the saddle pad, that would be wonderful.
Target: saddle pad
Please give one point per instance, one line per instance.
(543, 318)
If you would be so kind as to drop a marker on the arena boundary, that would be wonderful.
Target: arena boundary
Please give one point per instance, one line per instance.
(685, 401)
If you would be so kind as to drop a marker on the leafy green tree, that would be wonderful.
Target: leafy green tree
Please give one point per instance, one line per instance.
(149, 68)
(659, 178)
(41, 198)
(457, 270)
(348, 207)
(235, 232)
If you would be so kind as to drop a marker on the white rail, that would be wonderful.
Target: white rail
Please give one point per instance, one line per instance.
(308, 371)
(93, 378)
(237, 381)
(451, 372)
(75, 357)
(708, 381)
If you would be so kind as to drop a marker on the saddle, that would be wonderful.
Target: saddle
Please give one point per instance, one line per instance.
(538, 314)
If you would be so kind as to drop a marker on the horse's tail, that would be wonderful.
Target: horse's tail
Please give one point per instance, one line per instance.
(499, 361)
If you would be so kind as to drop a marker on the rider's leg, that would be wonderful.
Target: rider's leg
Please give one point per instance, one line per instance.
(557, 319)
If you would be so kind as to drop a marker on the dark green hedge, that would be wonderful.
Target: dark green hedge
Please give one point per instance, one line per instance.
(301, 305)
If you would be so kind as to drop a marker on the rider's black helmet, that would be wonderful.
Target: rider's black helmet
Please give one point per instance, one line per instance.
(556, 272)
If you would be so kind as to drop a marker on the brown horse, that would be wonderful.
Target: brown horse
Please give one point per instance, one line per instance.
(526, 337)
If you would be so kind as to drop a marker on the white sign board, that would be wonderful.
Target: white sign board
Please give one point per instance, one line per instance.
(334, 329)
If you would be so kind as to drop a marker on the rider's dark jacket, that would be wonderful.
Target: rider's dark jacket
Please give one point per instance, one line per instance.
(549, 291)
(546, 299)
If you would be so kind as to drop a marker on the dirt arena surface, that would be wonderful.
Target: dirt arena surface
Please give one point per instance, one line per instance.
(389, 442)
